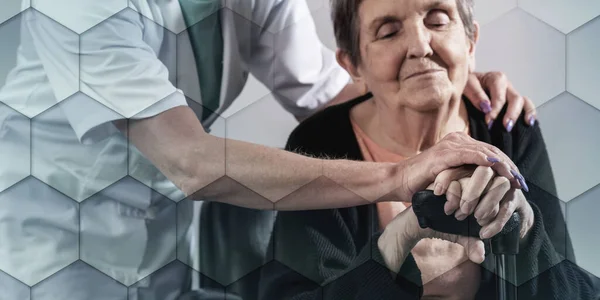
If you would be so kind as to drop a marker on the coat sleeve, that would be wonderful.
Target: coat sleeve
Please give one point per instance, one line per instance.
(116, 70)
(289, 58)
(543, 272)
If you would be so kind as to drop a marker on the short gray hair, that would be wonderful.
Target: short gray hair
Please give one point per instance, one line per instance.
(344, 14)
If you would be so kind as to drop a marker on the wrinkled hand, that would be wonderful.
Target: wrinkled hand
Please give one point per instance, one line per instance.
(502, 92)
(454, 150)
(483, 193)
(403, 233)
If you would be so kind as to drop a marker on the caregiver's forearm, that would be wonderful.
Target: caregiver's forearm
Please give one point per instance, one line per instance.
(263, 177)
(206, 167)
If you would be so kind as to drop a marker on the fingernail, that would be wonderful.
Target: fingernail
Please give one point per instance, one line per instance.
(493, 160)
(485, 107)
(509, 125)
(437, 189)
(524, 184)
(447, 211)
(517, 175)
(490, 124)
(460, 216)
(485, 233)
(531, 121)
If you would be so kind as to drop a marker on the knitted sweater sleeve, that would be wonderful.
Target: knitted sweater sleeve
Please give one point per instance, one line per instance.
(546, 266)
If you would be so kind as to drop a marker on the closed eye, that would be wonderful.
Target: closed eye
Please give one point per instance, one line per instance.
(437, 18)
(387, 30)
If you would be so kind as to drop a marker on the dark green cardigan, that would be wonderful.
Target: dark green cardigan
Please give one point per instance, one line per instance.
(337, 248)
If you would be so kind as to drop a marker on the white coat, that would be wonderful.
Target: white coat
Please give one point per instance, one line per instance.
(90, 217)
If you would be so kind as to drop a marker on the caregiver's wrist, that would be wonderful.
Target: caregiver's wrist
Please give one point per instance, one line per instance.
(371, 181)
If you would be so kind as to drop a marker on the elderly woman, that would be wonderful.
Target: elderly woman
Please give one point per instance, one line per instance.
(415, 57)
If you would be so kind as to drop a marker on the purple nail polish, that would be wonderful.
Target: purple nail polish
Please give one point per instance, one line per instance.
(493, 160)
(516, 175)
(490, 124)
(485, 107)
(524, 184)
(509, 125)
(520, 176)
(531, 121)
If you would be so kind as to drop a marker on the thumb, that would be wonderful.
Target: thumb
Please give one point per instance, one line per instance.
(474, 247)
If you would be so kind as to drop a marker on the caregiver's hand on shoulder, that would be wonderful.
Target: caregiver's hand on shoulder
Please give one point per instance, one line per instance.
(454, 150)
(480, 191)
(501, 92)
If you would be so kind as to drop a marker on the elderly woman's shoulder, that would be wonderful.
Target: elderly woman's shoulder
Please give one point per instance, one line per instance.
(523, 140)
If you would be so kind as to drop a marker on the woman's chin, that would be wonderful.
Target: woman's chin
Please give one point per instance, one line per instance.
(428, 104)
(429, 99)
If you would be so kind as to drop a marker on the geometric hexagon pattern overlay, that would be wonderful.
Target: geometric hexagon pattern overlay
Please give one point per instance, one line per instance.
(75, 14)
(581, 219)
(243, 126)
(142, 169)
(562, 15)
(31, 88)
(12, 288)
(72, 167)
(142, 239)
(11, 8)
(522, 46)
(161, 284)
(583, 62)
(85, 215)
(69, 283)
(40, 231)
(154, 53)
(569, 126)
(233, 241)
(488, 10)
(10, 35)
(15, 155)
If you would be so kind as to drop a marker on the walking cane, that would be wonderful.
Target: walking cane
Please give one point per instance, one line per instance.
(429, 210)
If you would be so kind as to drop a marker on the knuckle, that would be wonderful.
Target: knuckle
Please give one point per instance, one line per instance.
(455, 136)
(497, 75)
(500, 102)
(495, 210)
(480, 148)
(488, 172)
(493, 149)
(502, 182)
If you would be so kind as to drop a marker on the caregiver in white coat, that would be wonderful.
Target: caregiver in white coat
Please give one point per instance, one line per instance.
(117, 139)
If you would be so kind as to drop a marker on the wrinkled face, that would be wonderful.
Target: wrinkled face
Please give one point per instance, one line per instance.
(414, 53)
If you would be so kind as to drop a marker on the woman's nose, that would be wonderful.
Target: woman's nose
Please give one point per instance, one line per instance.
(419, 42)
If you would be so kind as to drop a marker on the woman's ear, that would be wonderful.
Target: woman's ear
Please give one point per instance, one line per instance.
(344, 60)
(473, 46)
